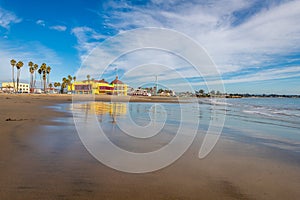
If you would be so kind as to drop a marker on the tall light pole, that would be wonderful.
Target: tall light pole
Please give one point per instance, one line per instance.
(155, 92)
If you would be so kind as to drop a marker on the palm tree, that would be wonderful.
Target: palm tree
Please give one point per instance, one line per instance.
(43, 69)
(74, 79)
(35, 66)
(88, 77)
(44, 79)
(70, 78)
(63, 84)
(31, 70)
(56, 84)
(40, 72)
(13, 63)
(48, 70)
(19, 65)
(68, 83)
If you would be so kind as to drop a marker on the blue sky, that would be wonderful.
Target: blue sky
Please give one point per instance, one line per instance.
(254, 44)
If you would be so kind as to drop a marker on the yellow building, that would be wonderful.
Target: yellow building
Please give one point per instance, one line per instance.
(120, 88)
(81, 87)
(116, 87)
(9, 87)
(103, 87)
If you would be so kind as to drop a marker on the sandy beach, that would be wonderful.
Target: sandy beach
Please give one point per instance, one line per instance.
(41, 160)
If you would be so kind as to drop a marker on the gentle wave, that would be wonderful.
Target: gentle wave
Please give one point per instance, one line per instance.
(257, 112)
(220, 102)
(273, 113)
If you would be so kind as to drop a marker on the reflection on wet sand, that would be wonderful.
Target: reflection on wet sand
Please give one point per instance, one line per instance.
(114, 109)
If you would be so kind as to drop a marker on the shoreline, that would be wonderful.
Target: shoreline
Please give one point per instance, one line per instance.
(104, 98)
(43, 158)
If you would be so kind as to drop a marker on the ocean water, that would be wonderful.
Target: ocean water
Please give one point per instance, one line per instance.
(266, 121)
(270, 122)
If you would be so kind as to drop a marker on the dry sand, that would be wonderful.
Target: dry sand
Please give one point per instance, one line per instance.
(51, 163)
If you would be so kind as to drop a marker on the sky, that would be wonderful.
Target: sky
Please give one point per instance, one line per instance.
(254, 44)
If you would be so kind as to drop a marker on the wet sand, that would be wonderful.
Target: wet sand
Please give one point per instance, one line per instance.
(42, 157)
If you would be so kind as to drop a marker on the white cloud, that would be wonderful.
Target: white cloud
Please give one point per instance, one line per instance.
(271, 31)
(286, 72)
(40, 22)
(7, 18)
(259, 40)
(58, 28)
(142, 54)
(263, 75)
(235, 43)
(87, 39)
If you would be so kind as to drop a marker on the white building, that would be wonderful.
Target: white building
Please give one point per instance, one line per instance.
(8, 87)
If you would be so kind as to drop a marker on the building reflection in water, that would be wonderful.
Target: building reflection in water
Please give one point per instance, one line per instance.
(132, 114)
(114, 109)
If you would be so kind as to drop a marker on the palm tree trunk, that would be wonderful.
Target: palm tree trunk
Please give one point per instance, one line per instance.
(13, 78)
(44, 85)
(31, 80)
(18, 77)
(41, 81)
(32, 86)
(30, 83)
(34, 79)
(47, 79)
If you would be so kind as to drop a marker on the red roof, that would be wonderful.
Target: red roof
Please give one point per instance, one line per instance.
(101, 81)
(116, 81)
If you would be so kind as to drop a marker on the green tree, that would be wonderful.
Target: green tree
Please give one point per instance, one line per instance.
(44, 80)
(19, 65)
(40, 73)
(160, 91)
(13, 64)
(43, 69)
(48, 70)
(56, 84)
(31, 70)
(35, 66)
(70, 78)
(63, 84)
